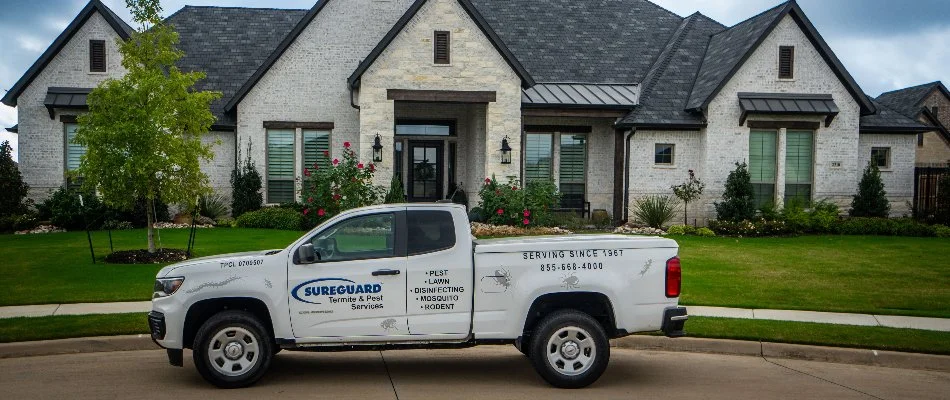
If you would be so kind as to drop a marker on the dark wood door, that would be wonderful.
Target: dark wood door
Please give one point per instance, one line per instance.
(426, 167)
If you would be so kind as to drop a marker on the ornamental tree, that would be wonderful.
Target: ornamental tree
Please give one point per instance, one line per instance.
(345, 184)
(12, 188)
(871, 199)
(688, 192)
(143, 131)
(738, 200)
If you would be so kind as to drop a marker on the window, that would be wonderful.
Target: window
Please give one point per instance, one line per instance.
(280, 166)
(762, 156)
(538, 156)
(429, 231)
(97, 56)
(786, 62)
(441, 48)
(573, 169)
(881, 156)
(663, 154)
(920, 140)
(425, 128)
(316, 144)
(74, 152)
(935, 111)
(450, 168)
(358, 238)
(799, 147)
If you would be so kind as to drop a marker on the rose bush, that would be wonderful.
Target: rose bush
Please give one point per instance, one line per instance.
(510, 204)
(346, 184)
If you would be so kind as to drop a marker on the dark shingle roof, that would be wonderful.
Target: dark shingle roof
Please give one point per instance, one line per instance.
(592, 41)
(229, 44)
(667, 85)
(907, 101)
(887, 119)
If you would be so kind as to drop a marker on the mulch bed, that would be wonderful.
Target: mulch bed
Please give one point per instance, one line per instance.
(144, 257)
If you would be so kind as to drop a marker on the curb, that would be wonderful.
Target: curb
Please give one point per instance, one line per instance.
(879, 358)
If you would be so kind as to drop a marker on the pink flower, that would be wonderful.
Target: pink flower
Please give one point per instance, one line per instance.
(321, 213)
(526, 222)
(360, 165)
(346, 145)
(306, 211)
(487, 180)
(326, 153)
(527, 213)
(336, 161)
(306, 172)
(500, 211)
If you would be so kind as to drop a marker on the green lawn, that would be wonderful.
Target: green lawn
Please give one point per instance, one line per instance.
(70, 326)
(863, 274)
(57, 268)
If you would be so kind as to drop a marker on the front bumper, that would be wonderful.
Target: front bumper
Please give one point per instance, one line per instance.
(156, 324)
(674, 319)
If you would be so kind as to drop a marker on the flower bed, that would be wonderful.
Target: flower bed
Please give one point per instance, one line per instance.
(487, 230)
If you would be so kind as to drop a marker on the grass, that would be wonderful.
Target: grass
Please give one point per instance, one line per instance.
(858, 274)
(57, 268)
(69, 326)
(865, 337)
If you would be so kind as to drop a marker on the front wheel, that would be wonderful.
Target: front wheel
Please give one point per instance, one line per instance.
(570, 349)
(231, 349)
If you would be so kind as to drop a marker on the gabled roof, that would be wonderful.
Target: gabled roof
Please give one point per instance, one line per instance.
(94, 6)
(888, 120)
(729, 49)
(526, 79)
(909, 101)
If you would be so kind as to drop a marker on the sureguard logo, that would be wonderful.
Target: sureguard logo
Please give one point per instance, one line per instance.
(310, 291)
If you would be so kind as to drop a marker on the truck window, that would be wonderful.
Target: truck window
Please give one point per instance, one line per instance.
(358, 238)
(429, 231)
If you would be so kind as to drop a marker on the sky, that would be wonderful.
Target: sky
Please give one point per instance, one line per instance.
(884, 44)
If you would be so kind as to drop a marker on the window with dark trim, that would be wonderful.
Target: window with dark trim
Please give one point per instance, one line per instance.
(425, 128)
(572, 169)
(429, 231)
(538, 157)
(881, 156)
(935, 111)
(441, 48)
(920, 140)
(365, 237)
(762, 166)
(97, 56)
(663, 153)
(280, 166)
(786, 62)
(799, 164)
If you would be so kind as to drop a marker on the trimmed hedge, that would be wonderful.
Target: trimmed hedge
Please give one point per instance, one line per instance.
(272, 218)
(849, 226)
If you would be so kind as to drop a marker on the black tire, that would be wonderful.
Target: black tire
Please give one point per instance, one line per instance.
(248, 332)
(591, 356)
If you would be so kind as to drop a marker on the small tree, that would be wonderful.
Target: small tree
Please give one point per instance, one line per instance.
(12, 188)
(688, 192)
(396, 193)
(246, 186)
(871, 199)
(143, 131)
(738, 201)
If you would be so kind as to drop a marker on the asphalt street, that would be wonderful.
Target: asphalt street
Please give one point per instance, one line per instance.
(489, 372)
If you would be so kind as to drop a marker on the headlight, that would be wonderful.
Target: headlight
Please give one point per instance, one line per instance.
(165, 287)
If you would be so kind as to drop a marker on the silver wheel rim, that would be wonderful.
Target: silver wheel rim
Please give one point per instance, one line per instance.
(571, 351)
(233, 351)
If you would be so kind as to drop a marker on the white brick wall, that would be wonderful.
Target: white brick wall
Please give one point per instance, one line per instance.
(899, 178)
(219, 169)
(647, 178)
(41, 139)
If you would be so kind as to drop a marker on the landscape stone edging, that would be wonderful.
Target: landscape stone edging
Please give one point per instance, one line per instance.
(880, 358)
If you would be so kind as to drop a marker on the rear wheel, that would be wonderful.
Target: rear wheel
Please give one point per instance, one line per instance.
(569, 349)
(232, 349)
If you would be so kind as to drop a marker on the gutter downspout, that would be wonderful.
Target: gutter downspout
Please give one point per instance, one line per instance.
(626, 175)
(352, 102)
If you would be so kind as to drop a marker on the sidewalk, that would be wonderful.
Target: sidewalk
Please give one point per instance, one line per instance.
(890, 321)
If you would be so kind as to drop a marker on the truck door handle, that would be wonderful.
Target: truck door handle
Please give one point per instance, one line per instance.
(386, 272)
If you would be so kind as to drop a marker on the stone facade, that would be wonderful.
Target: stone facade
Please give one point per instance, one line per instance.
(42, 139)
(935, 150)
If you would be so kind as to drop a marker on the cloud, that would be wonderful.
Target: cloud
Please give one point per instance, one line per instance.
(30, 43)
(881, 64)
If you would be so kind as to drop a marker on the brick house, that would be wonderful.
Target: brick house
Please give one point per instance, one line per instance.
(611, 100)
(929, 104)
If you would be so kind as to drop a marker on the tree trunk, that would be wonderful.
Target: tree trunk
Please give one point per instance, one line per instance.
(685, 218)
(150, 218)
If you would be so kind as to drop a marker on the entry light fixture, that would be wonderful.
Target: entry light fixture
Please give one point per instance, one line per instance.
(377, 150)
(505, 151)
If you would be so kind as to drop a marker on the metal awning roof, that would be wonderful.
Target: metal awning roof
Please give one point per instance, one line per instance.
(581, 95)
(786, 104)
(60, 97)
(14, 128)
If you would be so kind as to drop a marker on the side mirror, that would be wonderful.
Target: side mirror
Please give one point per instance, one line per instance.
(306, 254)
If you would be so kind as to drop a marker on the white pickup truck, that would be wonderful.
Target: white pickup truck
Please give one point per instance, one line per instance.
(411, 276)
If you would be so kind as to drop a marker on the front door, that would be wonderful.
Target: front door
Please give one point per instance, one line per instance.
(357, 288)
(425, 171)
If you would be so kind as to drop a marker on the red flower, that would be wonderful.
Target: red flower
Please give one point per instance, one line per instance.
(315, 166)
(336, 161)
(526, 222)
(306, 211)
(346, 144)
(360, 165)
(514, 188)
(326, 153)
(306, 172)
(527, 213)
(498, 192)
(336, 197)
(487, 180)
(500, 211)
(321, 213)
(372, 168)
(310, 200)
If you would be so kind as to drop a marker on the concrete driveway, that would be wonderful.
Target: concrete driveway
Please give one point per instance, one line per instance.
(490, 372)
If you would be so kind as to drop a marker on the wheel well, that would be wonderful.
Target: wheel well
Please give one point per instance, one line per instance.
(202, 310)
(597, 305)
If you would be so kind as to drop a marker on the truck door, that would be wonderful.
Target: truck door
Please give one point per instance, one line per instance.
(357, 287)
(440, 274)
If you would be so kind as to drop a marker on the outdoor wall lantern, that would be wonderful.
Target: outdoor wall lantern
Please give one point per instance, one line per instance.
(377, 150)
(505, 151)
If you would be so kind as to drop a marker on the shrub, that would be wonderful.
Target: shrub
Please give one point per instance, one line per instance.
(117, 225)
(272, 218)
(63, 209)
(18, 222)
(705, 232)
(824, 217)
(769, 213)
(885, 227)
(941, 231)
(738, 203)
(655, 211)
(13, 190)
(507, 204)
(689, 191)
(396, 193)
(345, 185)
(246, 187)
(212, 206)
(795, 217)
(676, 230)
(871, 199)
(749, 228)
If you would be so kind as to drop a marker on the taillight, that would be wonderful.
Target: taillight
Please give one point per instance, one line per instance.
(674, 277)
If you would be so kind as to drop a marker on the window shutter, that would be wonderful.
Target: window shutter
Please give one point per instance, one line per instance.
(799, 148)
(314, 144)
(573, 165)
(97, 56)
(280, 166)
(441, 49)
(762, 166)
(786, 62)
(538, 156)
(74, 152)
